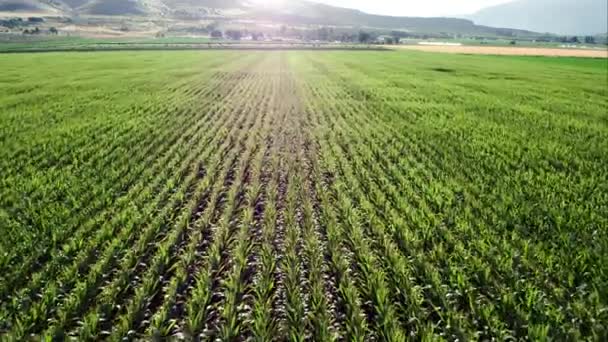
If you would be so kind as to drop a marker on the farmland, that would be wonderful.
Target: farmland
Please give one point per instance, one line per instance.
(303, 196)
(513, 51)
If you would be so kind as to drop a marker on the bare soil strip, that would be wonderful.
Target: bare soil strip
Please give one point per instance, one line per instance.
(510, 51)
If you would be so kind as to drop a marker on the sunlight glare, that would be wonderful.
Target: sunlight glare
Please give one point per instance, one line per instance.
(270, 3)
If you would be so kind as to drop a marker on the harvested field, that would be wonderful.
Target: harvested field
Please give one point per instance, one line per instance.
(510, 51)
(305, 196)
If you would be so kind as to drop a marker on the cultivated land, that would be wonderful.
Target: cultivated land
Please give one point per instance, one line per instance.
(303, 196)
(600, 52)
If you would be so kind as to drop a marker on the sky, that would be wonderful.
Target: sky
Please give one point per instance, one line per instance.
(422, 8)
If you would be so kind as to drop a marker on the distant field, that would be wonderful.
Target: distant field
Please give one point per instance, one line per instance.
(15, 44)
(10, 43)
(20, 43)
(601, 52)
(303, 196)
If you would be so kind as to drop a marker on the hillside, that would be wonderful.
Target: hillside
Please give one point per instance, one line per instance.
(305, 12)
(114, 7)
(293, 12)
(26, 6)
(554, 16)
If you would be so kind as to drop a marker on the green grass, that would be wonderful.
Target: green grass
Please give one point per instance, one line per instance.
(296, 195)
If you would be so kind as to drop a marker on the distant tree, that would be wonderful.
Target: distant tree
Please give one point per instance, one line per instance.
(589, 40)
(388, 40)
(396, 40)
(574, 39)
(364, 37)
(234, 34)
(217, 34)
(53, 30)
(212, 26)
(31, 31)
(513, 42)
(11, 23)
(347, 37)
(323, 34)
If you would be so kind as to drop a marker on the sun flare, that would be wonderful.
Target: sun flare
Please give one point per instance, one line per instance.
(270, 3)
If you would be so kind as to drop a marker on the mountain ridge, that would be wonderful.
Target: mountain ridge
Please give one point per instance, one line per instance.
(296, 12)
(567, 17)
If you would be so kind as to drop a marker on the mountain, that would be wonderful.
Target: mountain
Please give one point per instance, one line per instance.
(568, 17)
(287, 12)
(69, 7)
(25, 6)
(113, 7)
(306, 12)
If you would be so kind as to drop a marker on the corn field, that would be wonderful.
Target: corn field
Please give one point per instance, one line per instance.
(303, 196)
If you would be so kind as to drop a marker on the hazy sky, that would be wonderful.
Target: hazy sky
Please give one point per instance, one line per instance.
(425, 8)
